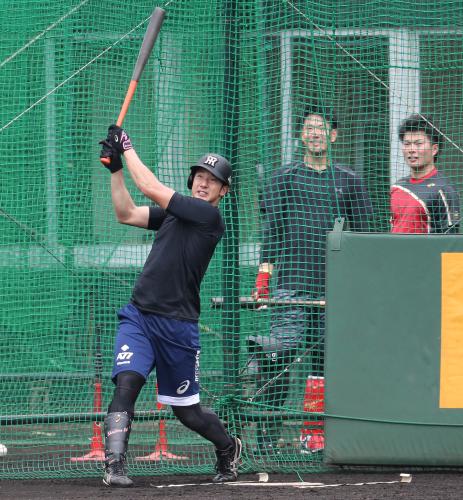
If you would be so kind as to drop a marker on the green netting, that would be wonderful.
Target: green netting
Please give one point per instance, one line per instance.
(230, 76)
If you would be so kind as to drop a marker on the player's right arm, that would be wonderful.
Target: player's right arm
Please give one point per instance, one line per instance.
(124, 207)
(144, 179)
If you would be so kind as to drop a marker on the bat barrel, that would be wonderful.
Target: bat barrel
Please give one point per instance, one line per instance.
(152, 32)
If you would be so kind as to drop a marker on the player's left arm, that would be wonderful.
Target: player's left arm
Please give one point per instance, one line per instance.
(446, 211)
(360, 206)
(127, 212)
(146, 181)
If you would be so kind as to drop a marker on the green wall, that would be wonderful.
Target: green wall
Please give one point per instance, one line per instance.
(383, 352)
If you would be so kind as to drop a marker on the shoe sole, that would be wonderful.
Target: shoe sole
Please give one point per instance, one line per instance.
(225, 479)
(113, 485)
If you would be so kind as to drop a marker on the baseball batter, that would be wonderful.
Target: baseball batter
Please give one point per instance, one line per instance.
(158, 329)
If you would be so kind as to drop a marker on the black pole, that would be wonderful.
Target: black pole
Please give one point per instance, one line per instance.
(231, 271)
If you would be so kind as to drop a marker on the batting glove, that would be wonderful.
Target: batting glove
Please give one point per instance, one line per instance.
(119, 139)
(110, 153)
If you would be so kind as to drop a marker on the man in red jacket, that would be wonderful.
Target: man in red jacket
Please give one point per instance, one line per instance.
(424, 201)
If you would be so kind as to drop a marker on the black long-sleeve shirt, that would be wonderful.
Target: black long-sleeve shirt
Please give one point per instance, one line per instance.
(300, 206)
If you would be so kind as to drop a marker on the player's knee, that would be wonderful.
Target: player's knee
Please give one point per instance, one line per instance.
(189, 416)
(128, 387)
(130, 380)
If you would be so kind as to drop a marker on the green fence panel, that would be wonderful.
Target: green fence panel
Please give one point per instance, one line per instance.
(383, 351)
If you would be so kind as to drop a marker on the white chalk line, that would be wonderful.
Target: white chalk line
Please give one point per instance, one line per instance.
(298, 484)
(304, 485)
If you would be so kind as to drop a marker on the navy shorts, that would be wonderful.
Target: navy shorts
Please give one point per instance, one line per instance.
(147, 341)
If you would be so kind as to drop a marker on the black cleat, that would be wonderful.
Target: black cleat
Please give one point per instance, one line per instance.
(227, 462)
(115, 474)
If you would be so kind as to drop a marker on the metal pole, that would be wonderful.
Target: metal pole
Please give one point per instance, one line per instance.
(231, 273)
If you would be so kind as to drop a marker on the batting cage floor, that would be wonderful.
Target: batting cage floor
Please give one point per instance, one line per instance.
(343, 485)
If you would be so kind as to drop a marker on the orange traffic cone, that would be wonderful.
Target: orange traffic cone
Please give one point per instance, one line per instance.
(96, 443)
(312, 436)
(161, 449)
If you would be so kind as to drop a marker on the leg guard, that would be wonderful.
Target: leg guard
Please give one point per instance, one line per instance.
(117, 426)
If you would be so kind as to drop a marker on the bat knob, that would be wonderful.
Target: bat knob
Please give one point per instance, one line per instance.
(106, 161)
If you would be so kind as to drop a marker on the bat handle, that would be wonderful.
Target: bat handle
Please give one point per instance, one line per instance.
(125, 107)
(128, 98)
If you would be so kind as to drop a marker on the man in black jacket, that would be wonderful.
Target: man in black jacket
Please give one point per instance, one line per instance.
(299, 206)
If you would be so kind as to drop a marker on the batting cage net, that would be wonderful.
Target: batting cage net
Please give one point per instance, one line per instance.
(241, 78)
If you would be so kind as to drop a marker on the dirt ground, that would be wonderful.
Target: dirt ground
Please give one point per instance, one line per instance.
(342, 485)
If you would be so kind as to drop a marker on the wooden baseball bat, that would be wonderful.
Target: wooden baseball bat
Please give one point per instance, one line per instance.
(154, 27)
